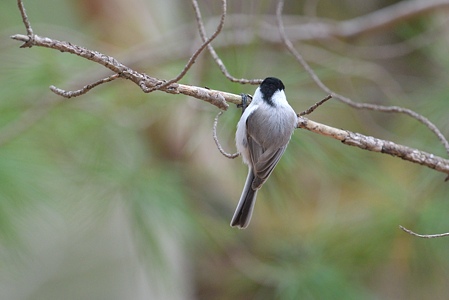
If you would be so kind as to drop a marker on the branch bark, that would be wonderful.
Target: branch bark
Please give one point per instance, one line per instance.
(377, 145)
(145, 82)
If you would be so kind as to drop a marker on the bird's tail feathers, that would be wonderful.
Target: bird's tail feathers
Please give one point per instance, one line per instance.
(245, 207)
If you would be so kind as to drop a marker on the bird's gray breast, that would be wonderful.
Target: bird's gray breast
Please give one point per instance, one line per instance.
(271, 127)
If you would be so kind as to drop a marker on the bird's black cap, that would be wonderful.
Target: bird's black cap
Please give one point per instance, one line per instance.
(269, 86)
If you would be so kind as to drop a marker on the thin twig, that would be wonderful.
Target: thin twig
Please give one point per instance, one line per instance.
(315, 106)
(346, 100)
(214, 54)
(220, 148)
(85, 89)
(27, 24)
(197, 52)
(424, 236)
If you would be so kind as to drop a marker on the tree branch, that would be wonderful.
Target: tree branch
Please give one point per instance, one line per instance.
(346, 100)
(27, 24)
(85, 89)
(214, 54)
(217, 143)
(387, 17)
(377, 145)
(358, 140)
(145, 82)
(366, 24)
(315, 106)
(206, 42)
(424, 236)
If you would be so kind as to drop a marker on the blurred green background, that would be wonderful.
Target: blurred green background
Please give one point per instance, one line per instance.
(123, 195)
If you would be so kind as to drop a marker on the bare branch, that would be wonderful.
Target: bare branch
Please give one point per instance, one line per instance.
(27, 24)
(377, 145)
(145, 82)
(315, 106)
(232, 156)
(197, 52)
(319, 29)
(346, 100)
(424, 236)
(84, 90)
(366, 24)
(388, 51)
(389, 16)
(214, 54)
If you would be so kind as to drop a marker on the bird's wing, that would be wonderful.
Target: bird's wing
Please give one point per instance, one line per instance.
(265, 165)
(263, 159)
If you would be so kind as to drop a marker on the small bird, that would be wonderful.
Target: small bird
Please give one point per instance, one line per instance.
(263, 132)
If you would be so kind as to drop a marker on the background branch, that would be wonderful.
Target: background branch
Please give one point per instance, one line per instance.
(206, 43)
(367, 24)
(212, 51)
(346, 100)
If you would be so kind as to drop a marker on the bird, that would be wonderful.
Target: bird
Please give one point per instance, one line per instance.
(263, 133)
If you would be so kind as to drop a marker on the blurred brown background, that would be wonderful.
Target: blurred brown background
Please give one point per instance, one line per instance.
(123, 195)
